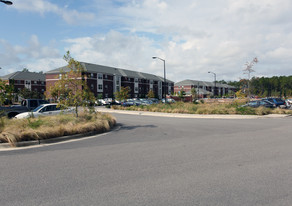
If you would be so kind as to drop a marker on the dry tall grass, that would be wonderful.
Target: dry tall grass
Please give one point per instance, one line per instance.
(207, 108)
(16, 130)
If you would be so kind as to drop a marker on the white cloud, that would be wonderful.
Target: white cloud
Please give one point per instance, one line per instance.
(192, 36)
(16, 57)
(43, 7)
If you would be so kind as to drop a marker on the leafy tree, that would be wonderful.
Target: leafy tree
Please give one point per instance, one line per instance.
(28, 94)
(123, 94)
(193, 92)
(150, 94)
(71, 89)
(182, 94)
(25, 70)
(6, 92)
(239, 94)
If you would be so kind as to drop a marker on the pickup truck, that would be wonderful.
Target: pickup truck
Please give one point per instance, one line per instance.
(25, 106)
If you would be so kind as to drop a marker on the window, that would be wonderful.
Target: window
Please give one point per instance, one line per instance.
(92, 86)
(99, 76)
(91, 75)
(105, 76)
(100, 86)
(151, 81)
(105, 86)
(33, 103)
(136, 80)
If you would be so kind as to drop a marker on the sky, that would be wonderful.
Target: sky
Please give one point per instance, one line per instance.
(192, 36)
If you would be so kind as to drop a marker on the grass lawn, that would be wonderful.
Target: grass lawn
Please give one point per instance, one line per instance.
(15, 130)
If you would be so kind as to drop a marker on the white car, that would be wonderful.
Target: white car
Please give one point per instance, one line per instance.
(44, 110)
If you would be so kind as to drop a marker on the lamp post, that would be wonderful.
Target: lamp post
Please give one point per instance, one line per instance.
(6, 2)
(214, 82)
(164, 92)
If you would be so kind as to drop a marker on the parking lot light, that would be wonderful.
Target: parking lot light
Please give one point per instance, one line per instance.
(6, 2)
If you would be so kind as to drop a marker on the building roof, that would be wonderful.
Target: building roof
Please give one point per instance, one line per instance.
(95, 68)
(25, 76)
(202, 83)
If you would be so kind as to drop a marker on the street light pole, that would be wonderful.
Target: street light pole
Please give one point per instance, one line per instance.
(164, 92)
(6, 2)
(214, 82)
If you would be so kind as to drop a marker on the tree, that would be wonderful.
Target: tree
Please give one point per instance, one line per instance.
(194, 93)
(71, 89)
(6, 92)
(239, 94)
(150, 94)
(28, 94)
(123, 94)
(25, 70)
(182, 94)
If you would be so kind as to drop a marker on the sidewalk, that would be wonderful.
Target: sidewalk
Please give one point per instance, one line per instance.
(195, 116)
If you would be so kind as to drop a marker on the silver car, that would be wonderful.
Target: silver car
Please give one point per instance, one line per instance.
(44, 110)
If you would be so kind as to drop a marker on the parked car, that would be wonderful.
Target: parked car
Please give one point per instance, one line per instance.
(260, 103)
(25, 106)
(154, 100)
(146, 102)
(128, 103)
(288, 103)
(44, 110)
(278, 101)
(131, 102)
(169, 100)
(105, 101)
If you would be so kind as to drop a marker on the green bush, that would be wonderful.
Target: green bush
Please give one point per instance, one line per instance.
(245, 110)
(34, 124)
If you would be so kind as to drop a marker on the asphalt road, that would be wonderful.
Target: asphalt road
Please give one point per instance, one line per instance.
(158, 161)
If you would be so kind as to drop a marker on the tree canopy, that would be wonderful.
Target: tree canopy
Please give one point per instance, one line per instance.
(280, 86)
(72, 89)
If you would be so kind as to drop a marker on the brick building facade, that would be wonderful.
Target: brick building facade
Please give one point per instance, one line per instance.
(105, 81)
(32, 81)
(203, 88)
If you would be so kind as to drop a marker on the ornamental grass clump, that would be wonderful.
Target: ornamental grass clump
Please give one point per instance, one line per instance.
(234, 107)
(16, 130)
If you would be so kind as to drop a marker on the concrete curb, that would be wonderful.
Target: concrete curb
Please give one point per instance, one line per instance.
(52, 140)
(195, 116)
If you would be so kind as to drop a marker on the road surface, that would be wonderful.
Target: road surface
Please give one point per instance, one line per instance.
(158, 161)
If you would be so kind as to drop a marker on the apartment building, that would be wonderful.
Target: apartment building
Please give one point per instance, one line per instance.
(203, 88)
(32, 81)
(105, 81)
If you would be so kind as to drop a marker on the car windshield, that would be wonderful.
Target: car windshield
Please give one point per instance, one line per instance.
(39, 107)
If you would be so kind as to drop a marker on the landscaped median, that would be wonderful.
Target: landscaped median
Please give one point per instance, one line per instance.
(232, 108)
(13, 131)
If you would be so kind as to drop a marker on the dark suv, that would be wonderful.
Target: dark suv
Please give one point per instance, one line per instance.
(277, 101)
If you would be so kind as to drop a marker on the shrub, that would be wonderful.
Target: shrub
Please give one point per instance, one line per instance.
(32, 123)
(54, 126)
(245, 110)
